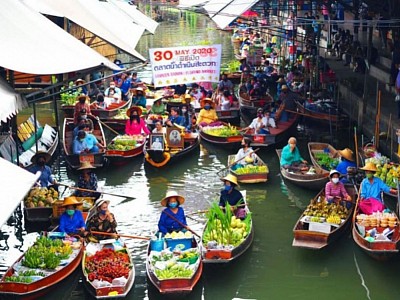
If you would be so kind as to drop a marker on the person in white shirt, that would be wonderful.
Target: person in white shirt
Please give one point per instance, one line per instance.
(268, 121)
(197, 95)
(159, 128)
(157, 145)
(224, 101)
(245, 155)
(257, 124)
(113, 91)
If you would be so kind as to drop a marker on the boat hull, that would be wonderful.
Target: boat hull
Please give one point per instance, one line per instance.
(119, 157)
(249, 177)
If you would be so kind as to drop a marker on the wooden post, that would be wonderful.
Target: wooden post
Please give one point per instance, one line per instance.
(378, 117)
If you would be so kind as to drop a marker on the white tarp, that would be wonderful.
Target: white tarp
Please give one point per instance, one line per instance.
(30, 43)
(191, 3)
(15, 183)
(101, 18)
(137, 16)
(223, 12)
(10, 101)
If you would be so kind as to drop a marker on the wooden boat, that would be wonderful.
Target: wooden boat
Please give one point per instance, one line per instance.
(119, 154)
(175, 145)
(231, 116)
(74, 160)
(231, 139)
(322, 111)
(176, 286)
(317, 235)
(277, 135)
(250, 177)
(249, 105)
(102, 289)
(315, 149)
(41, 284)
(381, 250)
(313, 181)
(38, 204)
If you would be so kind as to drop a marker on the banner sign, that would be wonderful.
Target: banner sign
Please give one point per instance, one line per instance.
(187, 64)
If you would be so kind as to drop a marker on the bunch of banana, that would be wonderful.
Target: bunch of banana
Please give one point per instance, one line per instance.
(334, 219)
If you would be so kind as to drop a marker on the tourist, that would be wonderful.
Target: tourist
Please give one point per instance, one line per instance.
(159, 128)
(87, 181)
(99, 103)
(225, 84)
(113, 92)
(135, 125)
(93, 145)
(175, 118)
(71, 221)
(124, 84)
(257, 124)
(102, 221)
(172, 218)
(291, 158)
(39, 161)
(230, 195)
(79, 144)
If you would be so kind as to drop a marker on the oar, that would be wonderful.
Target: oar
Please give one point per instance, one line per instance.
(121, 235)
(235, 162)
(104, 124)
(92, 191)
(180, 223)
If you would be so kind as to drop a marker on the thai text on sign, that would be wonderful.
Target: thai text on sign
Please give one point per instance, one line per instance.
(185, 64)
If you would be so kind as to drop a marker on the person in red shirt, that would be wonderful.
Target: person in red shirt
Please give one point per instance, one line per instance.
(82, 104)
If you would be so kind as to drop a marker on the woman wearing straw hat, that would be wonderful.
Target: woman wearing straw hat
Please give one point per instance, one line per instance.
(139, 99)
(346, 161)
(158, 107)
(39, 161)
(87, 180)
(230, 195)
(207, 115)
(71, 221)
(172, 213)
(102, 220)
(135, 125)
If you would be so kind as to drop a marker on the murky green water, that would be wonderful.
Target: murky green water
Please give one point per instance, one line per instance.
(272, 268)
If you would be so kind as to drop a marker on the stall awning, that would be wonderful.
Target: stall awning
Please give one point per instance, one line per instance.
(101, 18)
(30, 43)
(15, 183)
(10, 101)
(137, 16)
(191, 3)
(223, 12)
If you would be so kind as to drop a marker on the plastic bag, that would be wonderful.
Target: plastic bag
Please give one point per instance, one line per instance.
(371, 205)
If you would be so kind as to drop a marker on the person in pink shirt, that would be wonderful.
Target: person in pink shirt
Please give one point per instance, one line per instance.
(135, 125)
(335, 190)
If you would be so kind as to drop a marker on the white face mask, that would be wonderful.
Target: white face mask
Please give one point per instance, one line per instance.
(335, 180)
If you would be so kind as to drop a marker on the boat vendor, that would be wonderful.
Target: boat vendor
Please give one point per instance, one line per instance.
(245, 155)
(102, 220)
(87, 180)
(158, 107)
(225, 85)
(71, 221)
(232, 196)
(172, 202)
(39, 161)
(139, 99)
(135, 125)
(207, 115)
(175, 118)
(82, 104)
(291, 158)
(346, 161)
(335, 190)
(159, 128)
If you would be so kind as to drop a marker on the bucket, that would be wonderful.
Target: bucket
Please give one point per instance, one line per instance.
(157, 245)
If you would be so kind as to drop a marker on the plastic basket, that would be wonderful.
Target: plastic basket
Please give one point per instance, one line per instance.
(157, 245)
(181, 244)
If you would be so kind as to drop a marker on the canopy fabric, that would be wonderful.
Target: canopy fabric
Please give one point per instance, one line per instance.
(30, 43)
(191, 3)
(10, 101)
(137, 16)
(102, 19)
(15, 183)
(223, 12)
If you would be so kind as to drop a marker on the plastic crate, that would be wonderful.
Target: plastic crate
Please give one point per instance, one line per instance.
(182, 244)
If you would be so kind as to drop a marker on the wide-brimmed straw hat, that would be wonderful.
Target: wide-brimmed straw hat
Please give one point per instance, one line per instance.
(158, 97)
(43, 154)
(280, 80)
(231, 178)
(172, 194)
(71, 201)
(347, 154)
(332, 172)
(207, 101)
(100, 201)
(369, 166)
(284, 87)
(86, 165)
(134, 108)
(80, 80)
(139, 89)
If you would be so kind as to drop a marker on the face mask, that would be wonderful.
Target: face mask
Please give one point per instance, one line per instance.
(259, 115)
(207, 107)
(103, 212)
(184, 111)
(84, 117)
(227, 188)
(369, 175)
(41, 163)
(82, 101)
(81, 140)
(70, 212)
(335, 180)
(173, 205)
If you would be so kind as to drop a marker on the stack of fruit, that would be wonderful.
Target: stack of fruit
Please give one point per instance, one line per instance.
(25, 130)
(222, 131)
(41, 197)
(123, 143)
(389, 173)
(334, 212)
(250, 169)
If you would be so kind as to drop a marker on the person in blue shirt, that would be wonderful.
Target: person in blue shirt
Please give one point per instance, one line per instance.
(87, 180)
(139, 99)
(346, 161)
(39, 161)
(124, 83)
(92, 143)
(172, 217)
(79, 145)
(230, 195)
(175, 118)
(290, 156)
(371, 186)
(71, 221)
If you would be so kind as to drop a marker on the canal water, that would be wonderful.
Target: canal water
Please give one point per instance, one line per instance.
(271, 268)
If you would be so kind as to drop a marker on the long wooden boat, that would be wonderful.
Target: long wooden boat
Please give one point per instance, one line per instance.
(249, 105)
(276, 136)
(383, 249)
(176, 286)
(311, 181)
(250, 174)
(231, 116)
(316, 232)
(211, 256)
(322, 111)
(74, 160)
(119, 154)
(231, 139)
(40, 285)
(168, 151)
(98, 285)
(315, 149)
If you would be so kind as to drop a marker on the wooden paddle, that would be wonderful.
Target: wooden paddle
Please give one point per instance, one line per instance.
(180, 223)
(92, 191)
(235, 162)
(121, 235)
(104, 124)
